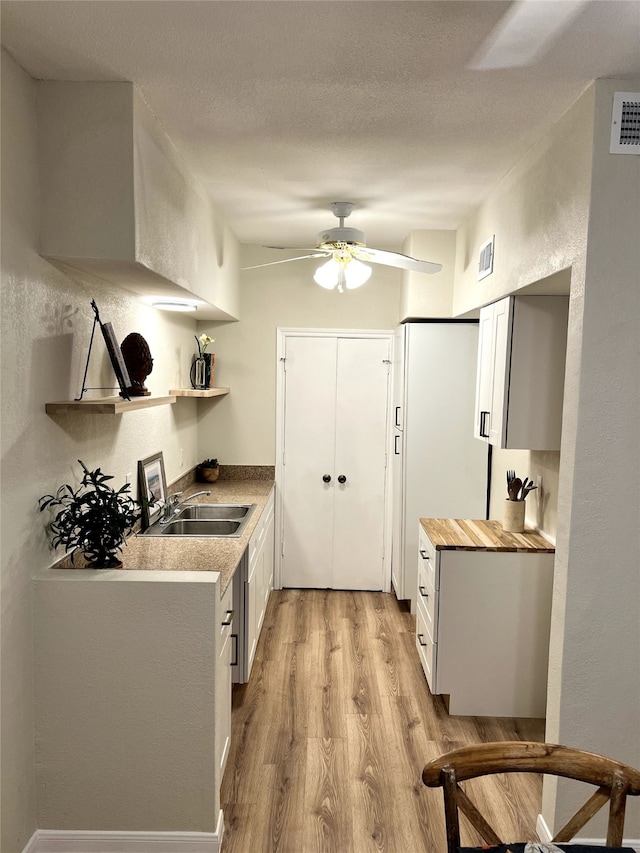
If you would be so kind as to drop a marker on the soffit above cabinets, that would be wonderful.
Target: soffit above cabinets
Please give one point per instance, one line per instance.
(119, 206)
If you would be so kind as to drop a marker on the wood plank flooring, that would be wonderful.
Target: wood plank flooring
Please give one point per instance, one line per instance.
(332, 731)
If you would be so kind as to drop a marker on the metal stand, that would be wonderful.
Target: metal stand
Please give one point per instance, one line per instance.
(96, 320)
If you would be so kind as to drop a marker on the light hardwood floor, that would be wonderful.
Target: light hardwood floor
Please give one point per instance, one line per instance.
(332, 731)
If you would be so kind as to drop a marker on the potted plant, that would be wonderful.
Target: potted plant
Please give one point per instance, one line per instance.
(207, 471)
(95, 518)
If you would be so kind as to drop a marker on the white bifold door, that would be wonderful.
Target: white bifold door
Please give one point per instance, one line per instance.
(333, 473)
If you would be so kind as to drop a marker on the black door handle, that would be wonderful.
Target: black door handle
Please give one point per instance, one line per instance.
(342, 478)
(483, 424)
(234, 662)
(326, 478)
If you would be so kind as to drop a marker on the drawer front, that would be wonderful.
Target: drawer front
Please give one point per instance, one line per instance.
(427, 599)
(428, 559)
(261, 528)
(426, 650)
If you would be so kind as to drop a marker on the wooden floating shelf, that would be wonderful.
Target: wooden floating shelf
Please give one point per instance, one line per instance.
(199, 392)
(106, 405)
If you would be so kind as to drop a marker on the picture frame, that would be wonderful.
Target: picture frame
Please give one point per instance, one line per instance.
(152, 488)
(117, 360)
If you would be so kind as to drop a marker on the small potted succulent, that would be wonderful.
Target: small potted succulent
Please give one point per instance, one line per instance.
(207, 471)
(94, 519)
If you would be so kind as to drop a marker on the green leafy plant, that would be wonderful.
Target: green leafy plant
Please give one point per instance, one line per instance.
(95, 518)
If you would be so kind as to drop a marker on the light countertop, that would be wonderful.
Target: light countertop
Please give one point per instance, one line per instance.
(168, 553)
(460, 534)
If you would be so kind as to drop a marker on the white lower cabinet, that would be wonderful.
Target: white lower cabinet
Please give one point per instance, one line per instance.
(223, 681)
(482, 627)
(259, 580)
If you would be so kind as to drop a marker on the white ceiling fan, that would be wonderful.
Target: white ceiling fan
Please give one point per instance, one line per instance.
(345, 249)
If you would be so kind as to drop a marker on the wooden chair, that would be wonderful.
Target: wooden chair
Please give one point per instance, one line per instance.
(614, 782)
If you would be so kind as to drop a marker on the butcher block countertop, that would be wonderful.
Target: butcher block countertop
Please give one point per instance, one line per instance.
(177, 554)
(461, 534)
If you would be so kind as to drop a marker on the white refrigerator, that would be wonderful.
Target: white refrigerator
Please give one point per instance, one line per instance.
(439, 469)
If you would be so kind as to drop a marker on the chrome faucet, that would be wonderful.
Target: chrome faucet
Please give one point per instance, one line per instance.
(173, 503)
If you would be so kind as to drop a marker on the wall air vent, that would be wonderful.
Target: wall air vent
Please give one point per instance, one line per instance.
(485, 262)
(625, 123)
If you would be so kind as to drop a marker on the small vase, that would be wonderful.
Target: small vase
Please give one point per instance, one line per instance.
(513, 516)
(202, 371)
(209, 364)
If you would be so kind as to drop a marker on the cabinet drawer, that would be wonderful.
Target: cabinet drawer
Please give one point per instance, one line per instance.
(428, 560)
(427, 599)
(426, 650)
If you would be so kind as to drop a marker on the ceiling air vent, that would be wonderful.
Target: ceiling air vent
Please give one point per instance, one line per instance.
(485, 262)
(625, 123)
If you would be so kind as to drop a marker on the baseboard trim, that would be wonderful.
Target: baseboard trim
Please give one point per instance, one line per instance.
(84, 841)
(544, 834)
(32, 846)
(542, 829)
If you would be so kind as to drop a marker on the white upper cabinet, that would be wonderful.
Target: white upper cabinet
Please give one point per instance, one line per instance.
(520, 383)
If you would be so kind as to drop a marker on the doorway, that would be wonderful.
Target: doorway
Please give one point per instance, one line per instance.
(331, 463)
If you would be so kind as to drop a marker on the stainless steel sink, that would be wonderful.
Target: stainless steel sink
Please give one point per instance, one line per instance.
(222, 521)
(210, 527)
(214, 511)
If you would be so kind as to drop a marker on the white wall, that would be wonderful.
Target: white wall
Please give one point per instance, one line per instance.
(554, 211)
(46, 322)
(429, 295)
(594, 699)
(538, 213)
(239, 429)
(541, 505)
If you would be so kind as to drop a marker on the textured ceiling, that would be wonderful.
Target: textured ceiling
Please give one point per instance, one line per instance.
(283, 107)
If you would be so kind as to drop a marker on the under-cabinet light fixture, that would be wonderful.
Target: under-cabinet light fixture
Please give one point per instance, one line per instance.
(174, 305)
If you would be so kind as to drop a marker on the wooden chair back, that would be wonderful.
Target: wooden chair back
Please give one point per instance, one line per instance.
(614, 781)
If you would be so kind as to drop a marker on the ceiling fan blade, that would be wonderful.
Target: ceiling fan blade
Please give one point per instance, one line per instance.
(524, 33)
(286, 260)
(394, 259)
(296, 248)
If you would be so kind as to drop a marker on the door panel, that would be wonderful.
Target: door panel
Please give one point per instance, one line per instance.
(309, 430)
(361, 430)
(335, 420)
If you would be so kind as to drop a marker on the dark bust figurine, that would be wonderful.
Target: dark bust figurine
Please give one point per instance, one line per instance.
(137, 357)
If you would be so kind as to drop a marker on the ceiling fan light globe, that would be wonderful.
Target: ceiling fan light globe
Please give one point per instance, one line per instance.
(356, 274)
(327, 275)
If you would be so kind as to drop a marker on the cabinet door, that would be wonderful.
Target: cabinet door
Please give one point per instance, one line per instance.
(253, 601)
(309, 444)
(397, 535)
(223, 683)
(398, 360)
(501, 363)
(360, 457)
(484, 382)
